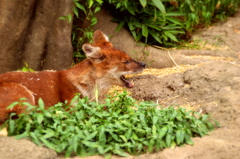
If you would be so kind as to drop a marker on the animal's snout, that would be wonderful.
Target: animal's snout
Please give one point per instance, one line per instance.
(143, 64)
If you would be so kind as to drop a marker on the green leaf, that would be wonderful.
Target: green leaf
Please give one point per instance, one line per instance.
(12, 105)
(174, 114)
(188, 140)
(90, 144)
(168, 140)
(100, 149)
(210, 125)
(40, 118)
(69, 151)
(162, 132)
(21, 136)
(47, 114)
(159, 5)
(134, 136)
(75, 10)
(97, 9)
(35, 138)
(47, 143)
(154, 131)
(63, 17)
(173, 144)
(128, 134)
(82, 151)
(74, 143)
(49, 133)
(69, 18)
(204, 117)
(11, 126)
(90, 3)
(217, 123)
(28, 105)
(91, 136)
(93, 21)
(102, 137)
(180, 136)
(144, 30)
(170, 14)
(155, 36)
(107, 149)
(114, 136)
(61, 147)
(159, 144)
(151, 145)
(123, 138)
(155, 119)
(174, 20)
(119, 27)
(130, 10)
(117, 150)
(24, 69)
(170, 35)
(143, 2)
(41, 103)
(81, 7)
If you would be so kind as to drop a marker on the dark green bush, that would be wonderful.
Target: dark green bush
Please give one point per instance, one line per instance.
(120, 125)
(167, 22)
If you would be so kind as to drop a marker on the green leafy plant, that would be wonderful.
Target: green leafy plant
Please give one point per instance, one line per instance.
(168, 22)
(119, 125)
(26, 68)
(148, 21)
(84, 20)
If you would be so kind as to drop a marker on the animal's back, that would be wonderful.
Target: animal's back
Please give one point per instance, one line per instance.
(42, 84)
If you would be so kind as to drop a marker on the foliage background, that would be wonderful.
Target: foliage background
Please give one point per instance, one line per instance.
(165, 23)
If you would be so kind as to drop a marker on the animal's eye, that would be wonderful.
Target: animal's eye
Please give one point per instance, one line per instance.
(102, 58)
(126, 62)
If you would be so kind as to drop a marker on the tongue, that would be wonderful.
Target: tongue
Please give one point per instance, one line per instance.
(128, 83)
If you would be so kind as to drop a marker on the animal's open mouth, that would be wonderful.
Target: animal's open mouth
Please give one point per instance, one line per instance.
(127, 83)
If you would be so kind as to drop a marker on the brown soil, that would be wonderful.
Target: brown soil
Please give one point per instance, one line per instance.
(210, 87)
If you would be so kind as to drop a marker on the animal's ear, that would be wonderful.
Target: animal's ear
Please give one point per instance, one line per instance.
(92, 52)
(101, 40)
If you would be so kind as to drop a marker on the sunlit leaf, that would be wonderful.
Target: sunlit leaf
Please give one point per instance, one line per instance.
(40, 118)
(75, 11)
(159, 5)
(143, 2)
(170, 35)
(81, 7)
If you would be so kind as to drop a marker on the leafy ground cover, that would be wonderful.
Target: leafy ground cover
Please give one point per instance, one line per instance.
(119, 126)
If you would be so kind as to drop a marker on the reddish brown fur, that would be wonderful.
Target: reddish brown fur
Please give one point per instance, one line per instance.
(102, 69)
(8, 96)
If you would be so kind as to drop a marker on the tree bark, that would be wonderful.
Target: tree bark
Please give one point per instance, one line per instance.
(31, 32)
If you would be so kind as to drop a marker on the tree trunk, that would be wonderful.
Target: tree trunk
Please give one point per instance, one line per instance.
(31, 32)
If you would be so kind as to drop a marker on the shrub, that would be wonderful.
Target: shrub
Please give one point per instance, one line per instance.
(167, 22)
(120, 125)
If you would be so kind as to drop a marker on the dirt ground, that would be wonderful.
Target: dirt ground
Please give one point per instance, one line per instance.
(210, 87)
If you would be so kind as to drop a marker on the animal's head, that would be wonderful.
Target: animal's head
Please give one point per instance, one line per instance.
(111, 63)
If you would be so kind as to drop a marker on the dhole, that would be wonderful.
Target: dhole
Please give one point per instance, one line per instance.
(104, 67)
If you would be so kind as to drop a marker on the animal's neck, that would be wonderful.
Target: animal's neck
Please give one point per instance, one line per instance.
(82, 77)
